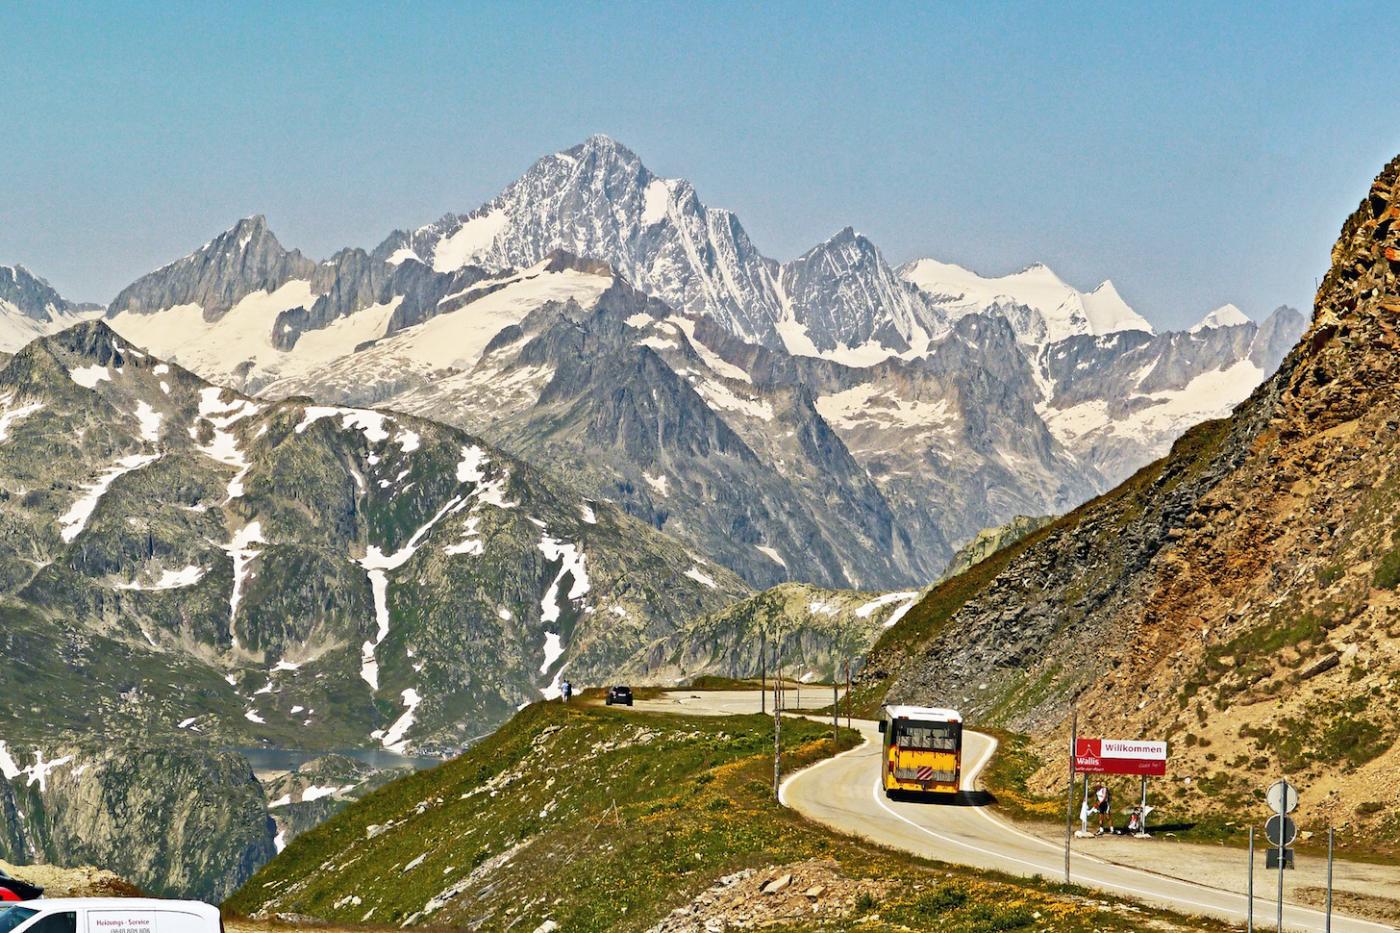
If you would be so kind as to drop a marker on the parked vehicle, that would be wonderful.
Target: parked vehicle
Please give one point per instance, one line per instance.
(621, 695)
(13, 889)
(109, 915)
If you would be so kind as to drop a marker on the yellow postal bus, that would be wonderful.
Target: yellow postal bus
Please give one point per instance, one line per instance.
(923, 750)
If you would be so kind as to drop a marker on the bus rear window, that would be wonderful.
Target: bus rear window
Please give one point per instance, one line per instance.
(933, 736)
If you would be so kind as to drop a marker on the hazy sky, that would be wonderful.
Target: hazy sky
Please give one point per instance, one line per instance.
(1193, 154)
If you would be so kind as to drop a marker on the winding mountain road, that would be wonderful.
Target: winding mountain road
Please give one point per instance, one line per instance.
(844, 793)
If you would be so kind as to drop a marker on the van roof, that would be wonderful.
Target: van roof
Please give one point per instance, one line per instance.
(930, 713)
(116, 903)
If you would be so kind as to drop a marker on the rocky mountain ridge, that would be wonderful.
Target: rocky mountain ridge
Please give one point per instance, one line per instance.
(932, 402)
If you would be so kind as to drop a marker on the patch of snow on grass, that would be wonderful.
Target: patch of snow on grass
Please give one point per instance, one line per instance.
(553, 650)
(470, 543)
(169, 580)
(396, 738)
(150, 422)
(252, 716)
(376, 564)
(659, 484)
(900, 612)
(12, 416)
(89, 376)
(370, 423)
(241, 551)
(870, 608)
(589, 516)
(72, 522)
(700, 576)
(771, 554)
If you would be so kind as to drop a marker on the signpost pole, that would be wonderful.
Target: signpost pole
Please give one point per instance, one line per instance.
(1282, 838)
(1249, 911)
(1069, 802)
(1329, 879)
(1142, 813)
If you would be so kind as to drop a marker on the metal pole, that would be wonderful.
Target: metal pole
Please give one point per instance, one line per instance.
(1249, 910)
(1142, 813)
(835, 707)
(848, 693)
(777, 740)
(1329, 880)
(1282, 815)
(763, 672)
(1069, 802)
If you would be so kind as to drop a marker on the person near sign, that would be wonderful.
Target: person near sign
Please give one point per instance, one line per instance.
(1103, 806)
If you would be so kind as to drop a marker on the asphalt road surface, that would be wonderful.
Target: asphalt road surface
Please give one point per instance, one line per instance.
(844, 793)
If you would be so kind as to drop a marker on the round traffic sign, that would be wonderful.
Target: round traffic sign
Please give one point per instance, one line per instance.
(1282, 797)
(1285, 837)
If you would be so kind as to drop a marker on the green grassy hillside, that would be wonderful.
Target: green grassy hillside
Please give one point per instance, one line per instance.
(601, 819)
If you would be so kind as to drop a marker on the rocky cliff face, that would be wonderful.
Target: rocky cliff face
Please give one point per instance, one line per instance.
(235, 264)
(1237, 597)
(30, 308)
(842, 296)
(174, 820)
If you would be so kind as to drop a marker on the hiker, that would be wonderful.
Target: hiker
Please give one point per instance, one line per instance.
(568, 691)
(1103, 806)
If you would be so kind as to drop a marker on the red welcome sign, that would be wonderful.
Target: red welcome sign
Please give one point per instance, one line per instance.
(1120, 756)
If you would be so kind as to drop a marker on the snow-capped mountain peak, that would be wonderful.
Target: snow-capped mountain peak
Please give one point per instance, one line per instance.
(31, 308)
(1041, 306)
(1227, 315)
(1108, 313)
(598, 200)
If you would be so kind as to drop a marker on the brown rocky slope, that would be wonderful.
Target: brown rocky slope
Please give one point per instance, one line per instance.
(1238, 597)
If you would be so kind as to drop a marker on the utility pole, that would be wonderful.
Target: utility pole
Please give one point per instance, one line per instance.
(848, 692)
(835, 705)
(1069, 802)
(777, 738)
(763, 671)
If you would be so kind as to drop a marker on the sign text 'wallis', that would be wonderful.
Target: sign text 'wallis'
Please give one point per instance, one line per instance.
(1120, 756)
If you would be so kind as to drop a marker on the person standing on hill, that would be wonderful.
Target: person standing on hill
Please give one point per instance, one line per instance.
(568, 690)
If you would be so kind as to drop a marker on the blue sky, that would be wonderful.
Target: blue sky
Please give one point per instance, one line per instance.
(1195, 154)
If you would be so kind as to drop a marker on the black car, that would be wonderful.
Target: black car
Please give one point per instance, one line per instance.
(620, 695)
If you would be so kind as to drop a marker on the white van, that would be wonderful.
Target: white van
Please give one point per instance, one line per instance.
(108, 915)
